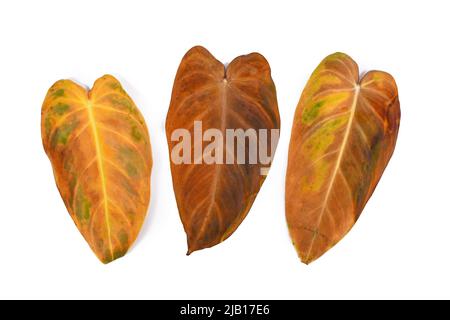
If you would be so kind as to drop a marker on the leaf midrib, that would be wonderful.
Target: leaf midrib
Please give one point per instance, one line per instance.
(218, 168)
(101, 170)
(336, 168)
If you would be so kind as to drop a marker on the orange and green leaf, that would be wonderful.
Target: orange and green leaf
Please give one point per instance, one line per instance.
(344, 133)
(99, 148)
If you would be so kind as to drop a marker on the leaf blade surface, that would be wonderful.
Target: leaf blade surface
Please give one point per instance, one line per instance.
(343, 136)
(98, 144)
(213, 199)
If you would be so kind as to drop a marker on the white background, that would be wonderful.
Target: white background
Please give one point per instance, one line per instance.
(399, 248)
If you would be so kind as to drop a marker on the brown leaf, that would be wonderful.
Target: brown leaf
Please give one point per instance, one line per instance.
(213, 199)
(99, 147)
(343, 136)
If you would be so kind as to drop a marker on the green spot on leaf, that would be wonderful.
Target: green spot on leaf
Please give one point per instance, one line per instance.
(118, 253)
(48, 124)
(114, 85)
(61, 108)
(131, 170)
(72, 185)
(122, 103)
(123, 238)
(309, 114)
(61, 135)
(130, 160)
(82, 206)
(58, 93)
(136, 134)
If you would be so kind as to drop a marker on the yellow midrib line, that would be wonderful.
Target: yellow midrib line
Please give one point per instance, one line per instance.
(101, 171)
(336, 168)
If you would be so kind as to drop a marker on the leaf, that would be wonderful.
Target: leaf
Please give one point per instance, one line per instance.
(99, 147)
(343, 136)
(213, 199)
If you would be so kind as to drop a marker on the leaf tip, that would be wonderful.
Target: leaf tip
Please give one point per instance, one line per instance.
(306, 260)
(106, 259)
(305, 257)
(191, 249)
